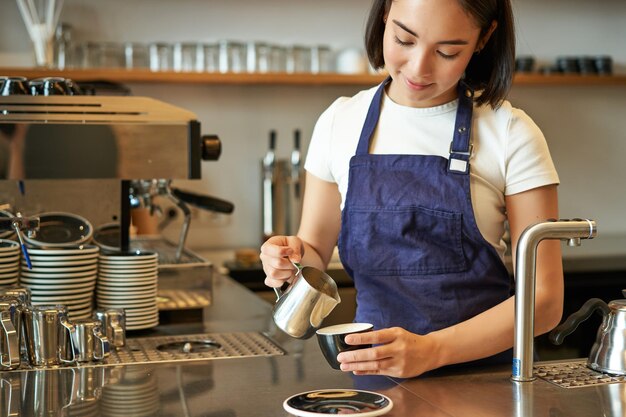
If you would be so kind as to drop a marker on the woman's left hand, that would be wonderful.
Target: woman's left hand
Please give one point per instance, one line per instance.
(399, 353)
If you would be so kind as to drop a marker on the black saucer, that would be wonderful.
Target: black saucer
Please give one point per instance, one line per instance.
(338, 401)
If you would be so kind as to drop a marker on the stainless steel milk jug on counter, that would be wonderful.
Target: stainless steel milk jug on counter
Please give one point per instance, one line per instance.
(50, 337)
(10, 332)
(301, 308)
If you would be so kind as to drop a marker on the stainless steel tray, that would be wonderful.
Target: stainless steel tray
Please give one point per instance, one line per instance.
(574, 374)
(184, 348)
(224, 346)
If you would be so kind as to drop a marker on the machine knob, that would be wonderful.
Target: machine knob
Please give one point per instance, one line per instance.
(211, 148)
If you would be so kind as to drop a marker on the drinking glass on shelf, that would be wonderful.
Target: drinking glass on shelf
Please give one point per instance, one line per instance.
(63, 46)
(298, 59)
(278, 58)
(211, 57)
(78, 54)
(160, 56)
(232, 56)
(135, 55)
(259, 57)
(91, 55)
(112, 55)
(321, 59)
(186, 59)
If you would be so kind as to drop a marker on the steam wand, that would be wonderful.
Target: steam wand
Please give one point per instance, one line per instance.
(185, 228)
(31, 225)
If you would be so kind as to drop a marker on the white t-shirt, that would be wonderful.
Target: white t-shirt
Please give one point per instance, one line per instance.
(510, 152)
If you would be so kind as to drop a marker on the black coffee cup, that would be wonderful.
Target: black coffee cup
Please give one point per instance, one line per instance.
(525, 64)
(332, 340)
(604, 65)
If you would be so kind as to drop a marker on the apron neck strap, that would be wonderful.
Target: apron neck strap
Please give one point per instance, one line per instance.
(371, 120)
(460, 148)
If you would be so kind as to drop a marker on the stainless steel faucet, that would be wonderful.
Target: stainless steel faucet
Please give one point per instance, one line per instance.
(525, 276)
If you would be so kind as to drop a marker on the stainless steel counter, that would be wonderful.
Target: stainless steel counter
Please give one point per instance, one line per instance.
(258, 386)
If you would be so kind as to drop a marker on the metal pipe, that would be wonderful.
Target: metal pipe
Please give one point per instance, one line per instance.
(525, 276)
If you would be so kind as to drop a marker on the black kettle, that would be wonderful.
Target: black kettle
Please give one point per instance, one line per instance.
(608, 353)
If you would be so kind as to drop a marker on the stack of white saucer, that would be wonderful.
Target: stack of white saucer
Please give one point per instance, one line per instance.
(9, 262)
(129, 281)
(63, 276)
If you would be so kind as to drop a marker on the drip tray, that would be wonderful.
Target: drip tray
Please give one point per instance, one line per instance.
(574, 374)
(185, 348)
(193, 348)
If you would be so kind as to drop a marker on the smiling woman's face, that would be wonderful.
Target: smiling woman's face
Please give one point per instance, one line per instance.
(427, 45)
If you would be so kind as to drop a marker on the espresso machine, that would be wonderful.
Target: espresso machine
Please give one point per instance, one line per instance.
(101, 156)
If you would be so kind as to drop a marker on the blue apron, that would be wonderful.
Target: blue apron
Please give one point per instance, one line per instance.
(409, 237)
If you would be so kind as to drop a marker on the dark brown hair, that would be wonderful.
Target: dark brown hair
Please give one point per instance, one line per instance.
(490, 70)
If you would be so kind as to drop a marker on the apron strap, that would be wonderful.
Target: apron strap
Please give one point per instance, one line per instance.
(371, 120)
(461, 147)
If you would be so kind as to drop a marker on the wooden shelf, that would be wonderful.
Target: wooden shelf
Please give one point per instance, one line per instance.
(146, 76)
(567, 79)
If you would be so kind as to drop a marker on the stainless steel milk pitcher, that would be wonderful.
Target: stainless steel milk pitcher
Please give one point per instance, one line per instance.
(23, 294)
(300, 310)
(49, 335)
(10, 332)
(91, 343)
(113, 325)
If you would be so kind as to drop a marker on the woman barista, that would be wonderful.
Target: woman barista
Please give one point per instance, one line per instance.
(415, 179)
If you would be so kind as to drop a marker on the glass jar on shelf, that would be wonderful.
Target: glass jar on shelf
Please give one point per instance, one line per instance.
(232, 56)
(321, 59)
(160, 54)
(259, 57)
(298, 59)
(63, 47)
(188, 57)
(278, 58)
(211, 57)
(111, 55)
(136, 56)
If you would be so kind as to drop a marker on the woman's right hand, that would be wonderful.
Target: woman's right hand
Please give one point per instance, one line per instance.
(277, 255)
